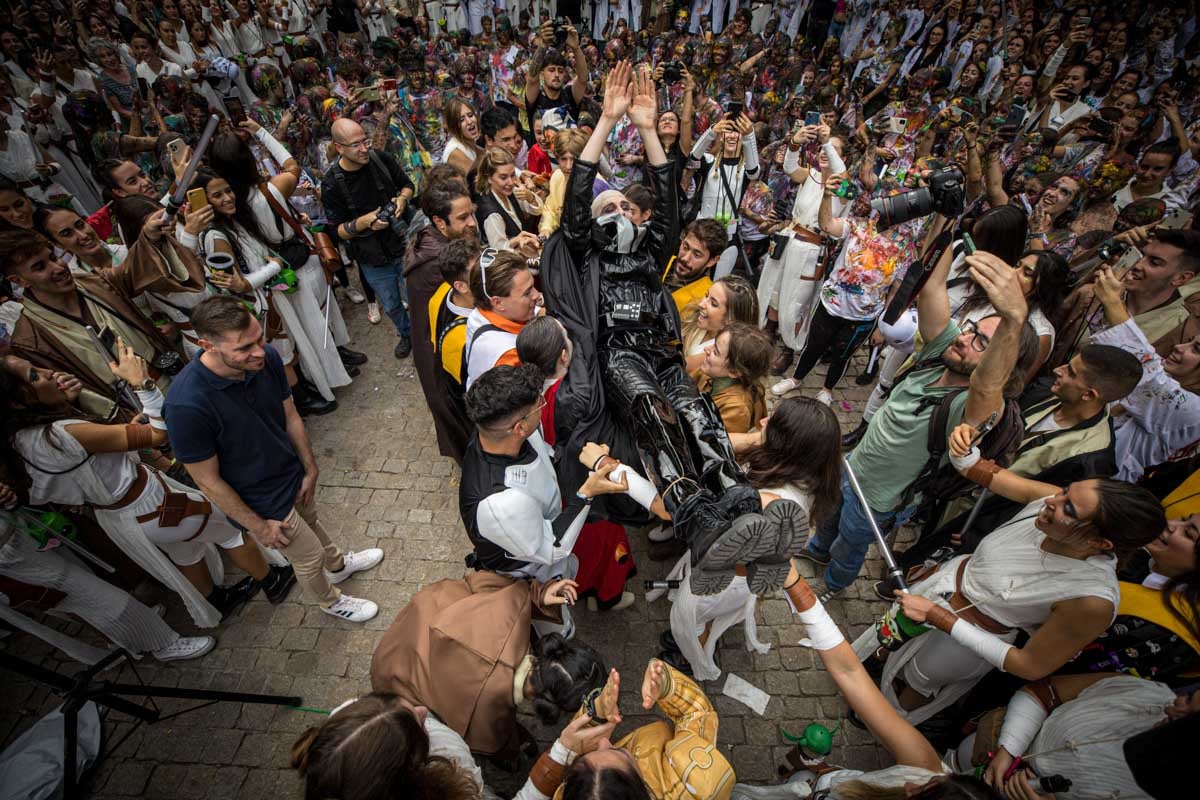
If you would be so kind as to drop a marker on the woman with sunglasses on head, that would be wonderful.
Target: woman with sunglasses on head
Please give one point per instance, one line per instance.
(1050, 571)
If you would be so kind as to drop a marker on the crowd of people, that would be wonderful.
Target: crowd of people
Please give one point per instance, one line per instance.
(615, 239)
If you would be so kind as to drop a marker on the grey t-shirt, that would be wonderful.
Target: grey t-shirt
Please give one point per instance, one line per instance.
(892, 452)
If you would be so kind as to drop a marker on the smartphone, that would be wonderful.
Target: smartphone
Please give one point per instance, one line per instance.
(237, 112)
(175, 147)
(812, 118)
(1016, 115)
(961, 115)
(1067, 96)
(370, 93)
(143, 89)
(197, 199)
(968, 244)
(1081, 22)
(897, 125)
(388, 84)
(1102, 126)
(735, 109)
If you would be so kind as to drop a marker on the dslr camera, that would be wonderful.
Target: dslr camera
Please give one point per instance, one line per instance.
(672, 72)
(944, 193)
(560, 32)
(397, 222)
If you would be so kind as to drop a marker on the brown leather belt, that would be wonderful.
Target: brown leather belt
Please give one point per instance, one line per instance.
(959, 602)
(170, 511)
(807, 235)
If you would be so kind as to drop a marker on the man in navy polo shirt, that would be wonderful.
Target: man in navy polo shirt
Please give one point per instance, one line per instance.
(234, 426)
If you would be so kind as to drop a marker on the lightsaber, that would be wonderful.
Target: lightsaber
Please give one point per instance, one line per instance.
(176, 200)
(328, 300)
(894, 572)
(78, 548)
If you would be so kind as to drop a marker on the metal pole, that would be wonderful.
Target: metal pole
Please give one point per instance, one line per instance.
(894, 572)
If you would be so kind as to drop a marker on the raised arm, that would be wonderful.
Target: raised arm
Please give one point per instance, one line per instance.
(580, 82)
(1003, 287)
(289, 169)
(933, 304)
(834, 226)
(902, 740)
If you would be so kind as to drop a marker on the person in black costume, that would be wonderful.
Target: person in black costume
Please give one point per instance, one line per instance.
(601, 279)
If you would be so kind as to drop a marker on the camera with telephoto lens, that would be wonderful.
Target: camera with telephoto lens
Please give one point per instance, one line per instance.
(387, 213)
(168, 363)
(1111, 250)
(672, 72)
(944, 193)
(560, 31)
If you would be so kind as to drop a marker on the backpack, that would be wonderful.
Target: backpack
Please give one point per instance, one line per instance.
(939, 484)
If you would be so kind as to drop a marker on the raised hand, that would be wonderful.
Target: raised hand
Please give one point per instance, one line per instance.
(1001, 284)
(643, 108)
(652, 683)
(616, 92)
(606, 703)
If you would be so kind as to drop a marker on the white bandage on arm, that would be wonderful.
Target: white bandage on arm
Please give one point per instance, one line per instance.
(640, 489)
(822, 630)
(1022, 722)
(966, 462)
(791, 159)
(152, 403)
(562, 754)
(990, 648)
(273, 146)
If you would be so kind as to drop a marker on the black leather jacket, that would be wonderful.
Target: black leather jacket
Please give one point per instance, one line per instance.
(627, 278)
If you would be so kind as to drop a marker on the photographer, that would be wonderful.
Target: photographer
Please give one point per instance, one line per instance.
(545, 81)
(855, 292)
(366, 195)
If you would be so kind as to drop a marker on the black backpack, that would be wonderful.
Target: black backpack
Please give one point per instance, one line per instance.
(939, 484)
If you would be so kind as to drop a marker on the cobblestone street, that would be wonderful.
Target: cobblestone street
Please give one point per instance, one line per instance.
(384, 484)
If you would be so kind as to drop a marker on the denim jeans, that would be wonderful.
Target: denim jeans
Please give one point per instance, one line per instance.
(845, 536)
(387, 279)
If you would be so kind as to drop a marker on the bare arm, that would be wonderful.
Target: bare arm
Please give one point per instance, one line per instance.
(207, 475)
(986, 392)
(834, 226)
(933, 304)
(994, 182)
(1072, 625)
(97, 438)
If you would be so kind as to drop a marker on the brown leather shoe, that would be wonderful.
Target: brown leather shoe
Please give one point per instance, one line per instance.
(783, 360)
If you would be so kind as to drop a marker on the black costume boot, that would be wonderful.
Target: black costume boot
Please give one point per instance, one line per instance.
(351, 358)
(228, 599)
(278, 583)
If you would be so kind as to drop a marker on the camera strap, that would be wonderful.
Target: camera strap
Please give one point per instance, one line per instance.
(917, 274)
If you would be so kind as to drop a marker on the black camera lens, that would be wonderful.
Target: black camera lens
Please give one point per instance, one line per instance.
(169, 363)
(900, 208)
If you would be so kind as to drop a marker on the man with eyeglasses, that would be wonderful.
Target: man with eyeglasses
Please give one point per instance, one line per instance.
(980, 366)
(365, 193)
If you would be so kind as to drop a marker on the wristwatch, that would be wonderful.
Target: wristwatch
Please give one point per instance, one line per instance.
(589, 707)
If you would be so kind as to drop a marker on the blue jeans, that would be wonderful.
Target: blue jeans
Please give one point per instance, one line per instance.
(845, 536)
(387, 279)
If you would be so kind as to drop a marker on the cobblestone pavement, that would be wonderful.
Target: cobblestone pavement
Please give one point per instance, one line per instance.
(384, 484)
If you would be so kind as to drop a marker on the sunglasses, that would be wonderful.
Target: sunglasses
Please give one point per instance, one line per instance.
(486, 258)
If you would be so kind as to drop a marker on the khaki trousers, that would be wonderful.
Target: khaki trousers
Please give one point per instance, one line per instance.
(311, 553)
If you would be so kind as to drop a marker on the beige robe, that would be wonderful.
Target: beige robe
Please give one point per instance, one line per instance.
(52, 341)
(456, 647)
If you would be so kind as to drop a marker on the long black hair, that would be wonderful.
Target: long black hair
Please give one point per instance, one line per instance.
(231, 158)
(803, 446)
(562, 675)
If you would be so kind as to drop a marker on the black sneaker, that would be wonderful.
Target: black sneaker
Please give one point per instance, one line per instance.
(403, 347)
(884, 590)
(813, 558)
(278, 583)
(667, 640)
(228, 599)
(351, 358)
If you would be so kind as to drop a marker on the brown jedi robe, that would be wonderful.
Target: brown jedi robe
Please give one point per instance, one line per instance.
(455, 649)
(422, 277)
(144, 269)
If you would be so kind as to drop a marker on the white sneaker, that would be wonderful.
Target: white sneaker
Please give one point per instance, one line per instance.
(661, 533)
(186, 647)
(355, 295)
(352, 609)
(825, 397)
(626, 601)
(373, 315)
(356, 562)
(784, 386)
